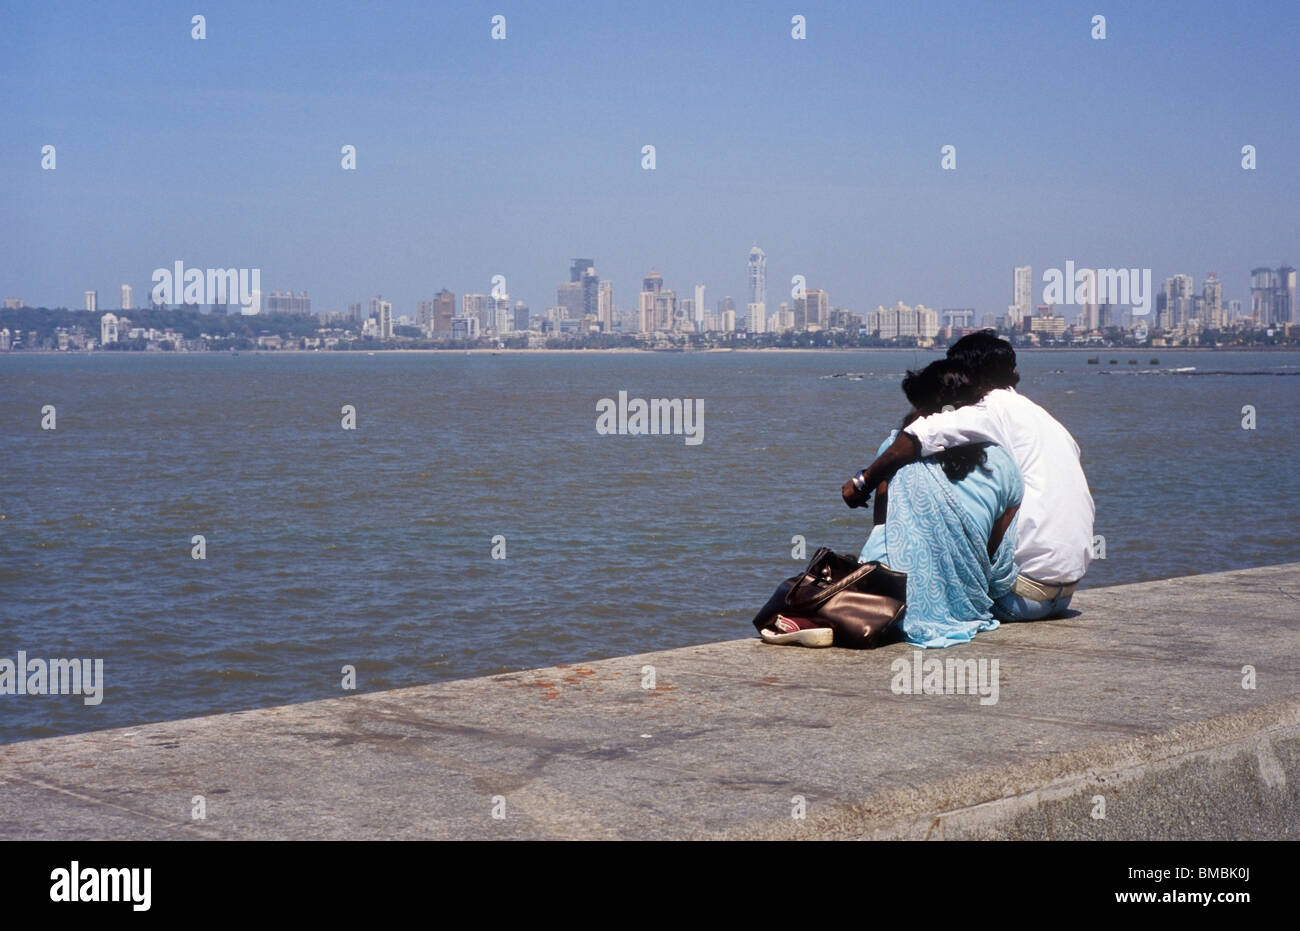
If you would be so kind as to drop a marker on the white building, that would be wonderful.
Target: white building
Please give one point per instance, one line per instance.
(126, 297)
(1022, 297)
(92, 301)
(476, 306)
(1212, 302)
(499, 314)
(900, 320)
(107, 329)
(756, 318)
(645, 312)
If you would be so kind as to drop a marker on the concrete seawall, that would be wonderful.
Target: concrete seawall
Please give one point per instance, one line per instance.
(1133, 709)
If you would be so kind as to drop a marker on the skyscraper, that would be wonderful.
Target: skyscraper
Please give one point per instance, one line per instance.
(126, 297)
(1285, 301)
(569, 296)
(92, 300)
(817, 312)
(499, 313)
(757, 276)
(1090, 311)
(521, 316)
(590, 292)
(665, 309)
(1263, 282)
(424, 315)
(699, 308)
(474, 306)
(1212, 302)
(1022, 295)
(647, 302)
(1180, 291)
(1272, 295)
(579, 268)
(645, 312)
(605, 306)
(444, 309)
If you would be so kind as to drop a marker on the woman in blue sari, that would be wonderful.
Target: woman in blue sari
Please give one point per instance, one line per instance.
(948, 521)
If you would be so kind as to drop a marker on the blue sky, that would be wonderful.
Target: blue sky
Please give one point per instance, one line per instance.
(479, 157)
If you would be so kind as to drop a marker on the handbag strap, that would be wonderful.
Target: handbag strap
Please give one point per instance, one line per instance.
(826, 593)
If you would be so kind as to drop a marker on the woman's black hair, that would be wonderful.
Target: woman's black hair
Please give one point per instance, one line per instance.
(945, 384)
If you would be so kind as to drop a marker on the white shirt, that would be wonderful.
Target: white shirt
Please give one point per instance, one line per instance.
(1056, 513)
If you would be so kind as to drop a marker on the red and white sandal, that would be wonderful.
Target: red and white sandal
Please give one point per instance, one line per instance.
(796, 631)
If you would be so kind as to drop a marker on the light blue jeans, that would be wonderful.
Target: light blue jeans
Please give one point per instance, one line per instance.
(1013, 607)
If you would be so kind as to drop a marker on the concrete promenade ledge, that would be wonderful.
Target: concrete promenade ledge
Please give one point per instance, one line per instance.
(1138, 699)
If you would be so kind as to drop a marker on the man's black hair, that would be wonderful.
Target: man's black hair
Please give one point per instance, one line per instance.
(989, 357)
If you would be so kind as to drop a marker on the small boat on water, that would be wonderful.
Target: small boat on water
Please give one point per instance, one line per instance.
(1094, 360)
(1155, 361)
(1132, 361)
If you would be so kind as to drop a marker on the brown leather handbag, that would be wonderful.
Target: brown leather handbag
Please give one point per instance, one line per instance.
(863, 603)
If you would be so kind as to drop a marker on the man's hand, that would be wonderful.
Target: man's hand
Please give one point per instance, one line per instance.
(853, 497)
(903, 450)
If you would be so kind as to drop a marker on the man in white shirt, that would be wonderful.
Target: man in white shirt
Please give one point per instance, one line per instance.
(1055, 523)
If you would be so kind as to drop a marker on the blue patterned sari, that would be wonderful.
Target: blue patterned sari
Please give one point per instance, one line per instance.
(951, 582)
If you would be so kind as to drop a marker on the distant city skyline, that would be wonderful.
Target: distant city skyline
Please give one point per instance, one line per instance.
(476, 161)
(1270, 296)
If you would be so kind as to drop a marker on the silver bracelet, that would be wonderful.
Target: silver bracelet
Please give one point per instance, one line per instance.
(859, 481)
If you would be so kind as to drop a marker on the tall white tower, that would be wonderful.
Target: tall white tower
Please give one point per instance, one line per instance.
(126, 297)
(757, 276)
(1023, 294)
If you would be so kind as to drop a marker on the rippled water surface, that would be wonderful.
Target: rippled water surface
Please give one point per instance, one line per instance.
(373, 547)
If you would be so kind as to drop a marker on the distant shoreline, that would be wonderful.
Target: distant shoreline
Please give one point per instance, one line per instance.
(1092, 351)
